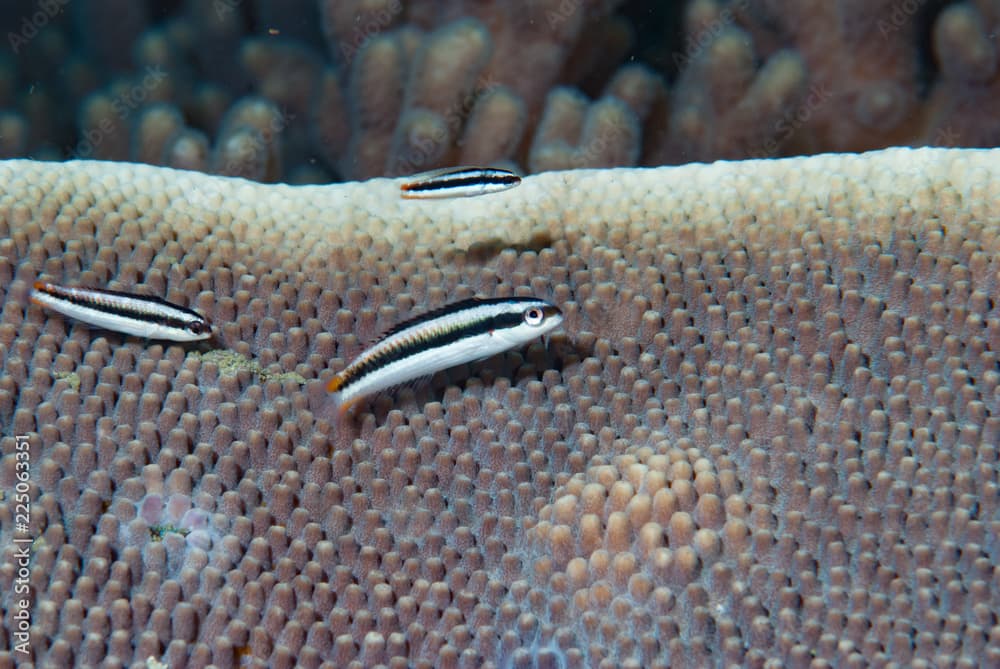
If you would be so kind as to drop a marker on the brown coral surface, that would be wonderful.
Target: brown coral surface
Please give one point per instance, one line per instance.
(767, 435)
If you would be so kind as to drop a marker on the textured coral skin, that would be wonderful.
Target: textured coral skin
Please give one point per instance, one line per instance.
(768, 433)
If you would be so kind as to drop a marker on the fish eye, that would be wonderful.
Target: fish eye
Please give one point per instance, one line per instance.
(534, 316)
(198, 327)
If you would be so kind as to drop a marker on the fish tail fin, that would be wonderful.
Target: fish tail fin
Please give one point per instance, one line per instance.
(342, 405)
(335, 384)
(37, 288)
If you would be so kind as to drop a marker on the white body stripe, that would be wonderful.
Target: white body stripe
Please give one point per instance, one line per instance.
(425, 363)
(458, 182)
(441, 342)
(145, 317)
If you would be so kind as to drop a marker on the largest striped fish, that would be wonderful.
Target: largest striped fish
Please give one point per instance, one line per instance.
(457, 333)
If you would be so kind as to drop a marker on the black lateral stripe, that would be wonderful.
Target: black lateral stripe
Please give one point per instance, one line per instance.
(461, 305)
(146, 316)
(438, 340)
(407, 349)
(444, 183)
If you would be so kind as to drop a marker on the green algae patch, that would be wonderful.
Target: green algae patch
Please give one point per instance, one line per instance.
(231, 363)
(281, 377)
(156, 532)
(72, 379)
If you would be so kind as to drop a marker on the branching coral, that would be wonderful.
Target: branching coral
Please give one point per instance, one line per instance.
(724, 107)
(384, 87)
(769, 432)
(862, 57)
(963, 104)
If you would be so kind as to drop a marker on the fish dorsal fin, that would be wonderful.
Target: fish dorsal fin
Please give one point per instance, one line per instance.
(437, 313)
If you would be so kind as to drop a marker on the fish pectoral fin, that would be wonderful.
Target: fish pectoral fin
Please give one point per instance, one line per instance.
(345, 408)
(413, 384)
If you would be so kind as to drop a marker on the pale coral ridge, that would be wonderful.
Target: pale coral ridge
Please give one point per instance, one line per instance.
(768, 432)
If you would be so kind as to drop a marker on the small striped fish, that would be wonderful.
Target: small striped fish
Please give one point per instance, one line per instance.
(138, 315)
(461, 332)
(458, 182)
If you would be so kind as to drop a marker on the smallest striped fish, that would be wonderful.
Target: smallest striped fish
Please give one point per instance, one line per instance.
(458, 182)
(138, 315)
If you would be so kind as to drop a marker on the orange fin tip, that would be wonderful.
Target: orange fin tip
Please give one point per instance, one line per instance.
(335, 384)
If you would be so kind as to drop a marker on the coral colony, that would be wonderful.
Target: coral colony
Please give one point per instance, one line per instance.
(765, 430)
(768, 427)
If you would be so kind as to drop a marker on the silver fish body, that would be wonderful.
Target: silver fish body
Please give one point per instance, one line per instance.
(458, 333)
(139, 315)
(458, 182)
